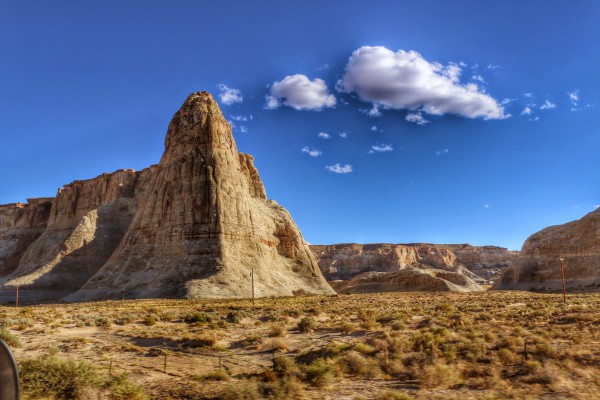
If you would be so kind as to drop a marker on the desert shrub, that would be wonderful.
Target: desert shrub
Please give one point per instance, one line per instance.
(438, 376)
(277, 330)
(364, 348)
(307, 324)
(197, 318)
(150, 320)
(286, 388)
(284, 366)
(355, 364)
(318, 373)
(244, 390)
(55, 378)
(218, 375)
(9, 338)
(393, 395)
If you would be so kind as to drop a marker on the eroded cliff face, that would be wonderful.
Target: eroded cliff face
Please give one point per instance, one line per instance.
(20, 225)
(205, 223)
(538, 267)
(83, 227)
(345, 261)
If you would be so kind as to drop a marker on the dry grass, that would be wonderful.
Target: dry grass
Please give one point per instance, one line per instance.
(494, 345)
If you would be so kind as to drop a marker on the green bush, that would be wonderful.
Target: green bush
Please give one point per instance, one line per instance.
(66, 379)
(10, 338)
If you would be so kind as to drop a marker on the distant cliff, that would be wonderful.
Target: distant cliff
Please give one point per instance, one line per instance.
(478, 264)
(538, 267)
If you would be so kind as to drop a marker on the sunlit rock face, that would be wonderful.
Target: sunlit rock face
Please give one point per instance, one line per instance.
(454, 267)
(538, 267)
(195, 225)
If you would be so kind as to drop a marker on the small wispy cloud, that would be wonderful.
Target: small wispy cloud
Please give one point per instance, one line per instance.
(374, 128)
(416, 118)
(339, 169)
(534, 119)
(548, 105)
(324, 135)
(527, 111)
(443, 151)
(380, 148)
(243, 129)
(344, 135)
(311, 152)
(506, 101)
(229, 95)
(242, 118)
(492, 67)
(322, 67)
(478, 78)
(486, 206)
(528, 94)
(372, 112)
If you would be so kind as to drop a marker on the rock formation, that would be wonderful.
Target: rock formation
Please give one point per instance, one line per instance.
(20, 225)
(408, 280)
(195, 225)
(538, 266)
(346, 261)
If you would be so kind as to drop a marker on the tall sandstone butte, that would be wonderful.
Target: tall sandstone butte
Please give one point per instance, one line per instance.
(538, 266)
(205, 223)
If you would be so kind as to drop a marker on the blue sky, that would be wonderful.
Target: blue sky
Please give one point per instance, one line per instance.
(506, 94)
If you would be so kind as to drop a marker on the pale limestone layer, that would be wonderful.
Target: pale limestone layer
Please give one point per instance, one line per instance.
(538, 267)
(20, 225)
(205, 223)
(345, 261)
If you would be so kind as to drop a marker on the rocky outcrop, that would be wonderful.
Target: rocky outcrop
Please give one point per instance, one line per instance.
(20, 225)
(205, 224)
(538, 267)
(85, 224)
(408, 280)
(345, 261)
(195, 225)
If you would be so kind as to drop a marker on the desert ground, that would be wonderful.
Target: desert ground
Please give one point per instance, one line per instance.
(490, 345)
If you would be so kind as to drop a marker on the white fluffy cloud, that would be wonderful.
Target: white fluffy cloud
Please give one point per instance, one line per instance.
(343, 135)
(299, 92)
(228, 95)
(339, 169)
(416, 118)
(405, 80)
(311, 152)
(324, 135)
(380, 148)
(548, 105)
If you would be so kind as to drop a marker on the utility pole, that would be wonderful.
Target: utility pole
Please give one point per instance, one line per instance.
(562, 271)
(252, 277)
(17, 297)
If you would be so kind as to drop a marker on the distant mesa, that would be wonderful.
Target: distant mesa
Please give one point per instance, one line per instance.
(194, 225)
(360, 268)
(538, 266)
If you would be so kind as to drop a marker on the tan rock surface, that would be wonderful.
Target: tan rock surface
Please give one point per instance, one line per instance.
(408, 280)
(538, 267)
(85, 224)
(20, 225)
(345, 261)
(205, 223)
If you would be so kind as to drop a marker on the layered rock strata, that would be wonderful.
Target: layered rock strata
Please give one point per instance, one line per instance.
(205, 224)
(195, 225)
(346, 261)
(538, 267)
(20, 226)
